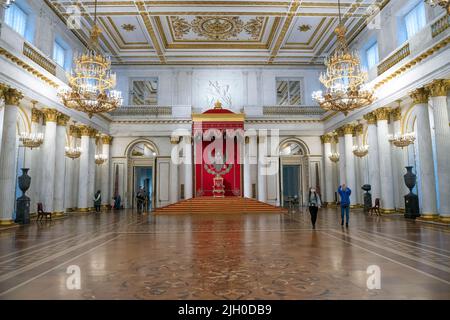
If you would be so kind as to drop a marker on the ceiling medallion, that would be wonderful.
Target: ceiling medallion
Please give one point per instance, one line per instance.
(217, 28)
(128, 27)
(304, 28)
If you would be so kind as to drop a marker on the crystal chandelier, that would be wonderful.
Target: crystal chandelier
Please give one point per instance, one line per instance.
(361, 151)
(402, 140)
(344, 78)
(100, 159)
(334, 157)
(91, 81)
(443, 3)
(73, 152)
(31, 140)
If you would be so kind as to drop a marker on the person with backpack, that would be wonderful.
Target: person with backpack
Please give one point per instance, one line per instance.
(314, 203)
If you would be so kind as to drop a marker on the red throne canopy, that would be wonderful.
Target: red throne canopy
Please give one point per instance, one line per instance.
(218, 137)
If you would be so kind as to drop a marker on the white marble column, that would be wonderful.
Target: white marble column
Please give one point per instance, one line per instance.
(350, 177)
(92, 168)
(250, 157)
(398, 164)
(438, 92)
(49, 160)
(374, 166)
(83, 176)
(262, 168)
(35, 161)
(75, 137)
(328, 169)
(174, 185)
(385, 160)
(358, 136)
(12, 98)
(60, 164)
(342, 160)
(426, 163)
(106, 172)
(188, 168)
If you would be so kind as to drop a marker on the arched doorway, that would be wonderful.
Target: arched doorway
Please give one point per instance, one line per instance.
(141, 157)
(294, 170)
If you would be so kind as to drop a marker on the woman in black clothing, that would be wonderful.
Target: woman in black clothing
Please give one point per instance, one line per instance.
(314, 204)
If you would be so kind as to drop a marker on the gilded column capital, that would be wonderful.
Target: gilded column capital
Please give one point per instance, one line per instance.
(438, 88)
(326, 138)
(74, 131)
(397, 114)
(358, 129)
(348, 128)
(419, 96)
(62, 119)
(335, 137)
(382, 113)
(93, 133)
(371, 118)
(3, 87)
(174, 140)
(107, 139)
(36, 115)
(340, 132)
(85, 131)
(12, 96)
(50, 115)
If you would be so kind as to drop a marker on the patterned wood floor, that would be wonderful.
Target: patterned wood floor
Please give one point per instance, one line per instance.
(258, 256)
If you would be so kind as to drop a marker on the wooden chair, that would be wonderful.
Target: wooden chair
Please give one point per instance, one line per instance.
(376, 208)
(41, 213)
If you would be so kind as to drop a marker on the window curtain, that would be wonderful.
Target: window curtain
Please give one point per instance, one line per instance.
(372, 56)
(16, 18)
(415, 20)
(59, 54)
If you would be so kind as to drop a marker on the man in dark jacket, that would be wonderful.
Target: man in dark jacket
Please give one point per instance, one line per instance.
(344, 193)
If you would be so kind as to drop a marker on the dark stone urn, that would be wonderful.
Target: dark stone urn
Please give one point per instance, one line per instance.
(367, 197)
(23, 203)
(411, 200)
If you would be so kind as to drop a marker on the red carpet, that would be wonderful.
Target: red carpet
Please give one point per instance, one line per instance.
(209, 205)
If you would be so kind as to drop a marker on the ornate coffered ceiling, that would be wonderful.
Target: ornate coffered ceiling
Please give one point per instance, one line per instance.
(225, 32)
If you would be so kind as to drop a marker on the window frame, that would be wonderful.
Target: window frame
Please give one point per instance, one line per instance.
(418, 6)
(373, 45)
(56, 44)
(290, 79)
(16, 6)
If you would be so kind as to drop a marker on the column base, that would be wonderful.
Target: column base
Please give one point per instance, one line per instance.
(387, 211)
(330, 204)
(59, 214)
(354, 206)
(429, 216)
(401, 210)
(6, 223)
(106, 206)
(444, 219)
(71, 209)
(83, 210)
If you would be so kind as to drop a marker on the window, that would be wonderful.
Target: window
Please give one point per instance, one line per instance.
(289, 92)
(145, 92)
(17, 19)
(372, 56)
(59, 54)
(415, 20)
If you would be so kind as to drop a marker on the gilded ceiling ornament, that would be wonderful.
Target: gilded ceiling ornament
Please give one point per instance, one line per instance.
(217, 28)
(128, 27)
(253, 27)
(180, 26)
(304, 28)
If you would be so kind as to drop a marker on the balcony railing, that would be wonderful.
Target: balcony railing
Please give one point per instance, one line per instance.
(393, 59)
(440, 26)
(292, 110)
(144, 110)
(39, 59)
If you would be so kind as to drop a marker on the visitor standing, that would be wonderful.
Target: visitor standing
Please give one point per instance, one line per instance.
(98, 201)
(344, 193)
(314, 203)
